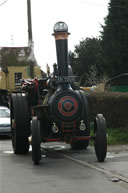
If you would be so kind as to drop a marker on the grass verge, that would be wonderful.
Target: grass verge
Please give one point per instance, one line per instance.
(116, 136)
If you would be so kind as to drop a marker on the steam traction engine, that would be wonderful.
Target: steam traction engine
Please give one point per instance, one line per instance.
(52, 109)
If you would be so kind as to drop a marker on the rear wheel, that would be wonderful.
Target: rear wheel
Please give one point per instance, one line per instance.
(20, 123)
(100, 142)
(36, 151)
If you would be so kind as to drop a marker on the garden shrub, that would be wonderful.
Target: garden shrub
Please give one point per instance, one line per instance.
(113, 105)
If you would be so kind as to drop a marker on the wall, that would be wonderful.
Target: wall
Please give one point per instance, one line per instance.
(3, 80)
(8, 82)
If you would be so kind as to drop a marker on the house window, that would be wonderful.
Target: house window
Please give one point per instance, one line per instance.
(18, 77)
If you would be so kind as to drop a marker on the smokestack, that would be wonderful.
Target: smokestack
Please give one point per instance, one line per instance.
(61, 38)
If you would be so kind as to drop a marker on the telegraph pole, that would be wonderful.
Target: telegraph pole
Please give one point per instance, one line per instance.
(31, 58)
(29, 21)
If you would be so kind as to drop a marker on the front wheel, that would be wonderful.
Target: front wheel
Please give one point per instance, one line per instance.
(100, 141)
(36, 151)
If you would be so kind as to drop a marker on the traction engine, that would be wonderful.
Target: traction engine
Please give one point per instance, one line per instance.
(54, 109)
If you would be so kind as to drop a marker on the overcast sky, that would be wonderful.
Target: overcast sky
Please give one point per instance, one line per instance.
(83, 18)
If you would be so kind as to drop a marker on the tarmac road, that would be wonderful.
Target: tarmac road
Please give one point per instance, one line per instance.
(63, 170)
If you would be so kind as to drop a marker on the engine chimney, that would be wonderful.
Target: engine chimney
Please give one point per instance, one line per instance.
(61, 37)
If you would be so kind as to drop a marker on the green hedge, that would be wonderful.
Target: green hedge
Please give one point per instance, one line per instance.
(113, 105)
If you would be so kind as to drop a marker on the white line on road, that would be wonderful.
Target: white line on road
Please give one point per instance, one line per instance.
(102, 170)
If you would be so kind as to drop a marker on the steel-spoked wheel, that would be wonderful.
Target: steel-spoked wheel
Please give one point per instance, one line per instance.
(100, 141)
(20, 123)
(36, 150)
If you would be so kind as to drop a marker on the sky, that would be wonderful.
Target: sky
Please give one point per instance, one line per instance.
(83, 17)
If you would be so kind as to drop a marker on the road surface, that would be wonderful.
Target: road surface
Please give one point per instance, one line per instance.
(63, 170)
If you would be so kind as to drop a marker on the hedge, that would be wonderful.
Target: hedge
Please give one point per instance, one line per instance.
(113, 105)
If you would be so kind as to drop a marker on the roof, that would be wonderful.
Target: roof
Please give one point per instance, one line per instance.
(121, 79)
(3, 107)
(118, 76)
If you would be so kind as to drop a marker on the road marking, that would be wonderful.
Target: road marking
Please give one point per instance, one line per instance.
(102, 170)
(109, 155)
(8, 152)
(56, 147)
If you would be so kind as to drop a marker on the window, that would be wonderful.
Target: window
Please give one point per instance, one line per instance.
(21, 53)
(18, 77)
(4, 113)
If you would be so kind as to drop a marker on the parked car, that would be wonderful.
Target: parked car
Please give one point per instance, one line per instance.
(4, 98)
(5, 124)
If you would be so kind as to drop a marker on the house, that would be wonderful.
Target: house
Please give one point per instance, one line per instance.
(15, 66)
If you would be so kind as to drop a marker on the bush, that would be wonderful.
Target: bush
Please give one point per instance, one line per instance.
(113, 105)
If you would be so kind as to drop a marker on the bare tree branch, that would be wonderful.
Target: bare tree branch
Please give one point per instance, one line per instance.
(3, 2)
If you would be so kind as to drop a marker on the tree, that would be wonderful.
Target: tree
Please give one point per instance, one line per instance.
(87, 59)
(115, 38)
